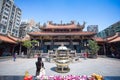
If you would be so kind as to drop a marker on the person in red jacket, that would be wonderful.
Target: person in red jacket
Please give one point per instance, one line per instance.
(85, 55)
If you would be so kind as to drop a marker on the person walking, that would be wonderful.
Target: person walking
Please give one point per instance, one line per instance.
(22, 55)
(85, 55)
(39, 65)
(14, 56)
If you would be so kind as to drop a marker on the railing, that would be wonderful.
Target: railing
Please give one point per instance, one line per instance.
(73, 53)
(51, 53)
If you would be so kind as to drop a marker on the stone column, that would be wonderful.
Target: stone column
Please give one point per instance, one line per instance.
(71, 43)
(104, 49)
(82, 44)
(41, 43)
(52, 43)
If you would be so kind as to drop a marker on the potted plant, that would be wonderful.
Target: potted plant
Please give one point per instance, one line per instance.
(93, 46)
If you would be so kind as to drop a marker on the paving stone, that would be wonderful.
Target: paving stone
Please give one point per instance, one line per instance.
(103, 66)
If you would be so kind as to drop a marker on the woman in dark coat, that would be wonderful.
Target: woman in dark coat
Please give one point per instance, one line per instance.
(39, 65)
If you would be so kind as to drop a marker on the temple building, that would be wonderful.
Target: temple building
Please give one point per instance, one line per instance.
(52, 35)
(7, 45)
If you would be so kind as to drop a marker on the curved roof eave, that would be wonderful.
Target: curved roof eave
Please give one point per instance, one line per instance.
(61, 34)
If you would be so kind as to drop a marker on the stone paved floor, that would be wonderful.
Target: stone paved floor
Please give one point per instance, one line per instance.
(103, 66)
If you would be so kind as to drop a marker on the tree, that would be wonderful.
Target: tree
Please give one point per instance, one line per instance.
(93, 47)
(29, 44)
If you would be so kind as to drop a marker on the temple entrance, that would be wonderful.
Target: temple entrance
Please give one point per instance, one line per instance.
(45, 48)
(48, 47)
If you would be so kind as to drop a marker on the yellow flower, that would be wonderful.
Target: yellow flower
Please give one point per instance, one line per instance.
(26, 73)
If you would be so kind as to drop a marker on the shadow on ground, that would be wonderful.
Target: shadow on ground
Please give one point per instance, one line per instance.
(53, 69)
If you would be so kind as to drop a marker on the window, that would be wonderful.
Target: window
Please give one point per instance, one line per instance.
(0, 27)
(17, 20)
(4, 17)
(7, 5)
(4, 27)
(12, 33)
(4, 31)
(7, 9)
(6, 13)
(17, 24)
(15, 34)
(4, 22)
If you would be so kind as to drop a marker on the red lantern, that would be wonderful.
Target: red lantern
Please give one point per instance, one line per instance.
(30, 78)
(26, 78)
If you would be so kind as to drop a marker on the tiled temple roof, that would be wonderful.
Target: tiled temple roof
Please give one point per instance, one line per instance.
(99, 39)
(71, 25)
(7, 39)
(115, 38)
(61, 33)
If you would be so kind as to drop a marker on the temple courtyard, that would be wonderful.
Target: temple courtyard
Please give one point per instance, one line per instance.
(102, 65)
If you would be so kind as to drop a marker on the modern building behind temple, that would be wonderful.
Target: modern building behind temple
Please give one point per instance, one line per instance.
(110, 30)
(52, 35)
(10, 18)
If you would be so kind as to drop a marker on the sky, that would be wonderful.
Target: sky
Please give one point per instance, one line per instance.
(94, 12)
